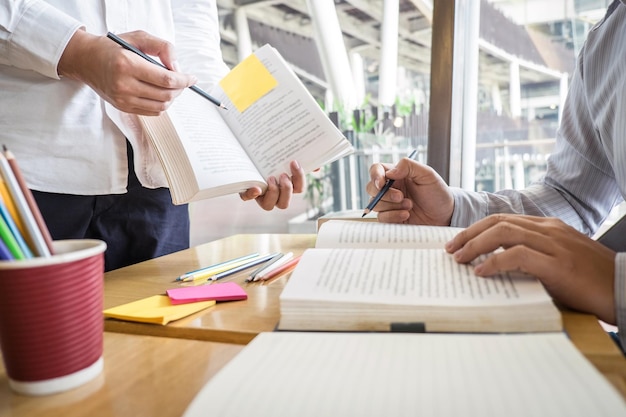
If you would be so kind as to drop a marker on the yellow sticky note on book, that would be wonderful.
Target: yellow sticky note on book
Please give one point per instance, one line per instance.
(156, 309)
(247, 82)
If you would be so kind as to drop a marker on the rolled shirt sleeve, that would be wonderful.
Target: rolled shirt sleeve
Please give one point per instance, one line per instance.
(27, 44)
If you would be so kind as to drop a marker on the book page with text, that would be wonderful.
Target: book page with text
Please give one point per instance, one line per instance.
(215, 155)
(285, 124)
(406, 277)
(357, 234)
(372, 375)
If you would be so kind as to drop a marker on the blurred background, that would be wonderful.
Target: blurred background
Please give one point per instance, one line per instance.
(477, 87)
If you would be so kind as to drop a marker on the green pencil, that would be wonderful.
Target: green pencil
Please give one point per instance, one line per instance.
(9, 240)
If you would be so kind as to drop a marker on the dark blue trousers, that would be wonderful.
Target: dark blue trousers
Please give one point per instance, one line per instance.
(139, 225)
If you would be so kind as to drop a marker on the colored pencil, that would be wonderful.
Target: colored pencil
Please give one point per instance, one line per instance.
(9, 240)
(287, 267)
(243, 267)
(33, 234)
(216, 268)
(15, 231)
(30, 200)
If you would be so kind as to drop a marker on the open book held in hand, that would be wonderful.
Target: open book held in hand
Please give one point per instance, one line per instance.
(271, 120)
(368, 276)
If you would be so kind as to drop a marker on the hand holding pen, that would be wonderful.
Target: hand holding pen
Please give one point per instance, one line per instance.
(382, 191)
(131, 48)
(127, 82)
(419, 194)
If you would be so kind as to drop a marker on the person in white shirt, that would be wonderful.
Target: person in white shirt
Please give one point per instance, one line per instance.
(70, 99)
(545, 228)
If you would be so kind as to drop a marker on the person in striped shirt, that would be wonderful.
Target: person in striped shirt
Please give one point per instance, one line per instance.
(545, 228)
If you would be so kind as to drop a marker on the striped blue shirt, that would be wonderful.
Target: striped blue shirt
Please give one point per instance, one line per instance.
(586, 173)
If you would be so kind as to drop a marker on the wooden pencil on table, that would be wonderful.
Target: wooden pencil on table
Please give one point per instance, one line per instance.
(284, 268)
(243, 267)
(268, 264)
(275, 265)
(216, 268)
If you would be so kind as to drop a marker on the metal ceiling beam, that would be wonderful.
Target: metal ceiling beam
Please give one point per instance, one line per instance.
(425, 8)
(255, 3)
(417, 57)
(374, 9)
(414, 55)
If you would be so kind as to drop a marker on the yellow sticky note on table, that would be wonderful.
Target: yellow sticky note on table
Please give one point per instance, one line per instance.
(156, 309)
(247, 82)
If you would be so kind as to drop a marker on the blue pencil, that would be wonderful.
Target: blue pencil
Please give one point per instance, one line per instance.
(242, 267)
(4, 212)
(5, 253)
(186, 275)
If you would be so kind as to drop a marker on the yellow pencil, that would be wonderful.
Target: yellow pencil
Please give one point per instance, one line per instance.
(216, 269)
(10, 205)
(33, 235)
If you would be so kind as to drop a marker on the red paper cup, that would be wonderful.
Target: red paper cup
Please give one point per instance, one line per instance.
(51, 322)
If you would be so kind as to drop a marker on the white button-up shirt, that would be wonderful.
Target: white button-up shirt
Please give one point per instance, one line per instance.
(586, 175)
(65, 137)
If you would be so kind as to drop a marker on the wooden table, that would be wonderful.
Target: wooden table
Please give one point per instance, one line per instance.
(143, 376)
(593, 342)
(231, 322)
(240, 321)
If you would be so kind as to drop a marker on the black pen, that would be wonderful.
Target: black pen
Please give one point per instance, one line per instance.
(131, 48)
(382, 192)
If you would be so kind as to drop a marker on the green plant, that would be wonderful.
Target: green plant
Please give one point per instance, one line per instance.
(319, 183)
(318, 189)
(404, 108)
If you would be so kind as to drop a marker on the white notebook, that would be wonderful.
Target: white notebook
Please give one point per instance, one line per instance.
(400, 374)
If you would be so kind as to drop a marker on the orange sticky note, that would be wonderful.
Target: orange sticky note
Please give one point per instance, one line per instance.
(247, 82)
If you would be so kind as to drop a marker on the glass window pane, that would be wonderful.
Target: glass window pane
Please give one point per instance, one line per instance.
(527, 55)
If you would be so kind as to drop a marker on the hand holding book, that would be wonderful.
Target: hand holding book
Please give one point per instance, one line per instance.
(272, 120)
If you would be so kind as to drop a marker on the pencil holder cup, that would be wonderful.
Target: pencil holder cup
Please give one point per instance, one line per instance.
(51, 325)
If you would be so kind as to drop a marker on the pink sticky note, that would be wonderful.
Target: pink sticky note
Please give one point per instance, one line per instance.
(223, 291)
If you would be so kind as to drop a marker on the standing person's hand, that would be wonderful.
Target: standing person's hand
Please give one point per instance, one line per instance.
(575, 269)
(279, 190)
(121, 77)
(418, 196)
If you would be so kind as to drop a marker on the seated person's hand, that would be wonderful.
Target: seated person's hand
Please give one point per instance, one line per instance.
(418, 196)
(279, 191)
(575, 269)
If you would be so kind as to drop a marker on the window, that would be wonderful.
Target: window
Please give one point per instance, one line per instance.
(527, 52)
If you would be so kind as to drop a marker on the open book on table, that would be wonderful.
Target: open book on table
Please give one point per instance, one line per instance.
(207, 151)
(373, 374)
(368, 276)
